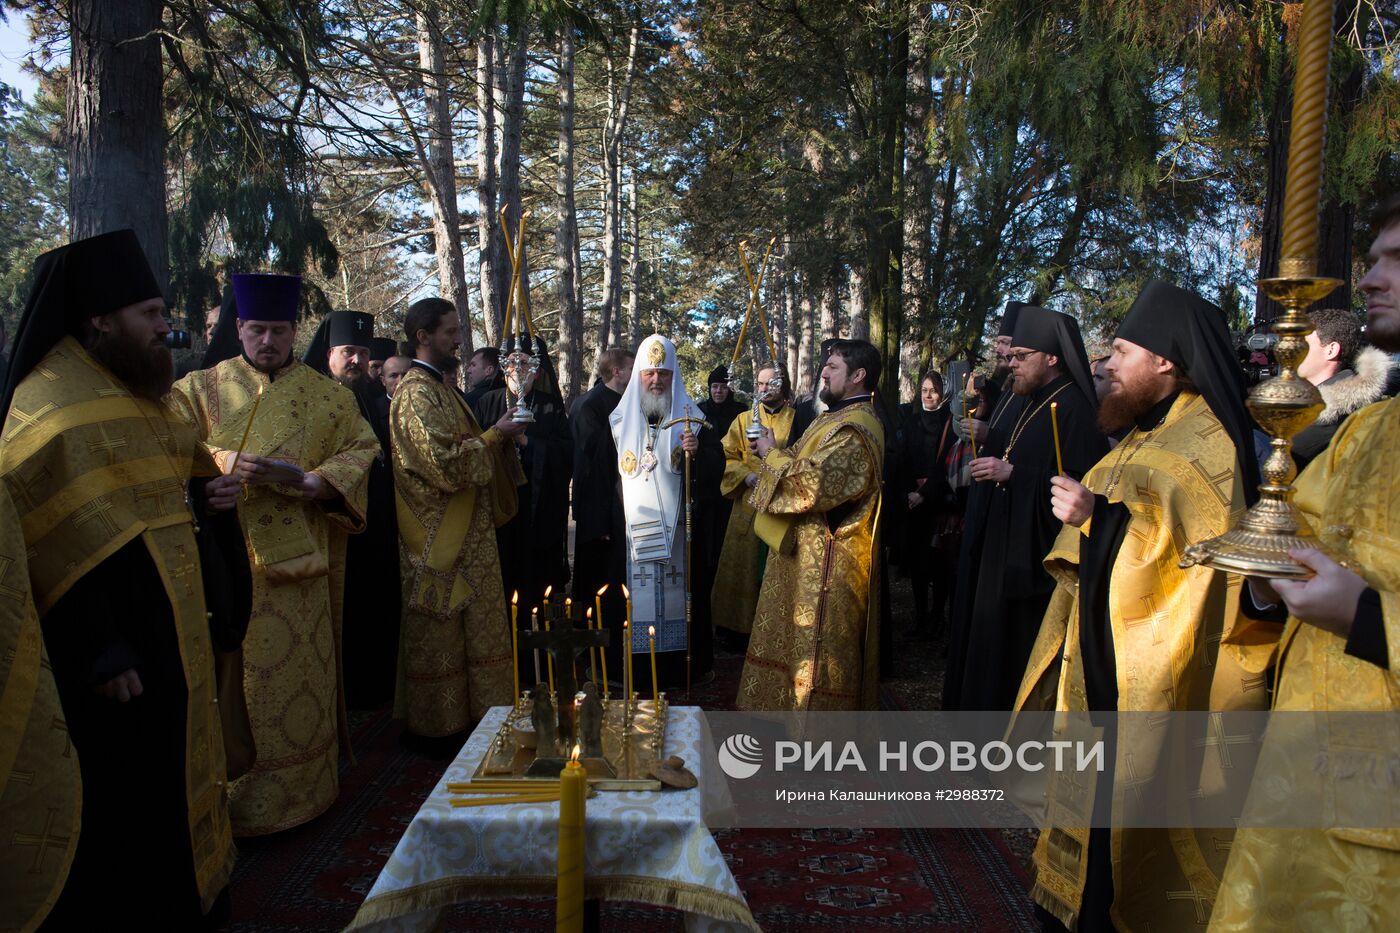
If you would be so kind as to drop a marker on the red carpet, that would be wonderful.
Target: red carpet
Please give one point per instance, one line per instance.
(314, 877)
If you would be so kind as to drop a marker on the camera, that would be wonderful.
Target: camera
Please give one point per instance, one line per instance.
(178, 340)
(1256, 354)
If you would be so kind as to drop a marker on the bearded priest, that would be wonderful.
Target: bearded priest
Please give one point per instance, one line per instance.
(815, 640)
(652, 443)
(297, 441)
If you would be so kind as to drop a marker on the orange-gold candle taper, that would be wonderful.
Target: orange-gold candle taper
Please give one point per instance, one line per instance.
(238, 454)
(573, 792)
(549, 659)
(535, 627)
(514, 647)
(651, 641)
(1055, 429)
(592, 652)
(598, 604)
(1306, 140)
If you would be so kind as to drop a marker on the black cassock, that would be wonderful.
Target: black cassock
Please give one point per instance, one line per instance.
(372, 595)
(598, 513)
(1003, 587)
(712, 510)
(134, 849)
(534, 544)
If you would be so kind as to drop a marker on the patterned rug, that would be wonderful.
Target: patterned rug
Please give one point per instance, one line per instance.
(314, 877)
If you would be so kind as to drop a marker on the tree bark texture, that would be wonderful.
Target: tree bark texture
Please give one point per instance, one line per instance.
(570, 350)
(918, 207)
(490, 256)
(116, 125)
(512, 127)
(441, 173)
(634, 266)
(620, 80)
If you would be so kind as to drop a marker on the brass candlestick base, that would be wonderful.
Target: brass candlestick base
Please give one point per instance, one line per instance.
(1258, 546)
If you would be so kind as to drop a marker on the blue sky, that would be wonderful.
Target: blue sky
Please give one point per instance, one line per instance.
(14, 45)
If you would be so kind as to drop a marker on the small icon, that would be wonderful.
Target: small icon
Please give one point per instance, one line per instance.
(740, 756)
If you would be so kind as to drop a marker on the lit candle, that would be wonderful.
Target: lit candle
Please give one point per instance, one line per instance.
(1307, 135)
(568, 608)
(535, 627)
(547, 591)
(1055, 429)
(971, 435)
(257, 399)
(598, 604)
(514, 645)
(549, 659)
(592, 652)
(573, 791)
(626, 664)
(651, 640)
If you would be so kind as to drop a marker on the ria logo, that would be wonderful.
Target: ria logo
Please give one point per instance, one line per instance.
(740, 756)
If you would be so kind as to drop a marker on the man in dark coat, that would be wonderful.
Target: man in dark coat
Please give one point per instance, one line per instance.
(598, 518)
(341, 350)
(712, 509)
(1006, 588)
(534, 544)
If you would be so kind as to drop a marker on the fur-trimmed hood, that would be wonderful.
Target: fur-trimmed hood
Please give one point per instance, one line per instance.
(1355, 388)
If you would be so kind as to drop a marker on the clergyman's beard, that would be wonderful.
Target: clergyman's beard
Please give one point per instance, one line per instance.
(1125, 403)
(655, 407)
(353, 378)
(147, 371)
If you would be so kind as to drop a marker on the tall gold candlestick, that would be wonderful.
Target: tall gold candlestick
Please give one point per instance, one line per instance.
(651, 640)
(514, 646)
(1307, 138)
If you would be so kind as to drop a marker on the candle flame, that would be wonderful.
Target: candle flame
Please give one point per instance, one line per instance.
(515, 597)
(573, 756)
(547, 590)
(651, 631)
(589, 613)
(603, 589)
(626, 594)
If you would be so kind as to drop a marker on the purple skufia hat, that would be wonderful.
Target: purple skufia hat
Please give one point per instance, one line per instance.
(262, 297)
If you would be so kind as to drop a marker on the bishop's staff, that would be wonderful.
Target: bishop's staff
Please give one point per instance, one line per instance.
(687, 420)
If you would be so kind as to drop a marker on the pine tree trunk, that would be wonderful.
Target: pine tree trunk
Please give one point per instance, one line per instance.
(116, 128)
(570, 349)
(807, 347)
(619, 99)
(488, 242)
(830, 303)
(792, 316)
(859, 319)
(442, 175)
(918, 206)
(634, 267)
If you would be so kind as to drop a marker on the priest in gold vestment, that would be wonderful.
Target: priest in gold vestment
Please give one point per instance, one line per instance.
(743, 556)
(1128, 630)
(306, 454)
(455, 485)
(1339, 651)
(101, 480)
(815, 639)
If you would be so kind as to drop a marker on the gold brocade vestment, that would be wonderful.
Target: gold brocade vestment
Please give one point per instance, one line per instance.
(91, 468)
(815, 640)
(41, 797)
(741, 560)
(1339, 878)
(454, 485)
(291, 655)
(1178, 647)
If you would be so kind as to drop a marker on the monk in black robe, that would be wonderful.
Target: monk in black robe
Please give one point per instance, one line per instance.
(1008, 587)
(341, 350)
(534, 544)
(713, 509)
(932, 515)
(129, 638)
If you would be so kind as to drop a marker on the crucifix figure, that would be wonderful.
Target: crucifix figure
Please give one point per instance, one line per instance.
(564, 644)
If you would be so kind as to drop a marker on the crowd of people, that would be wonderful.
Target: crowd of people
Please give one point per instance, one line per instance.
(202, 574)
